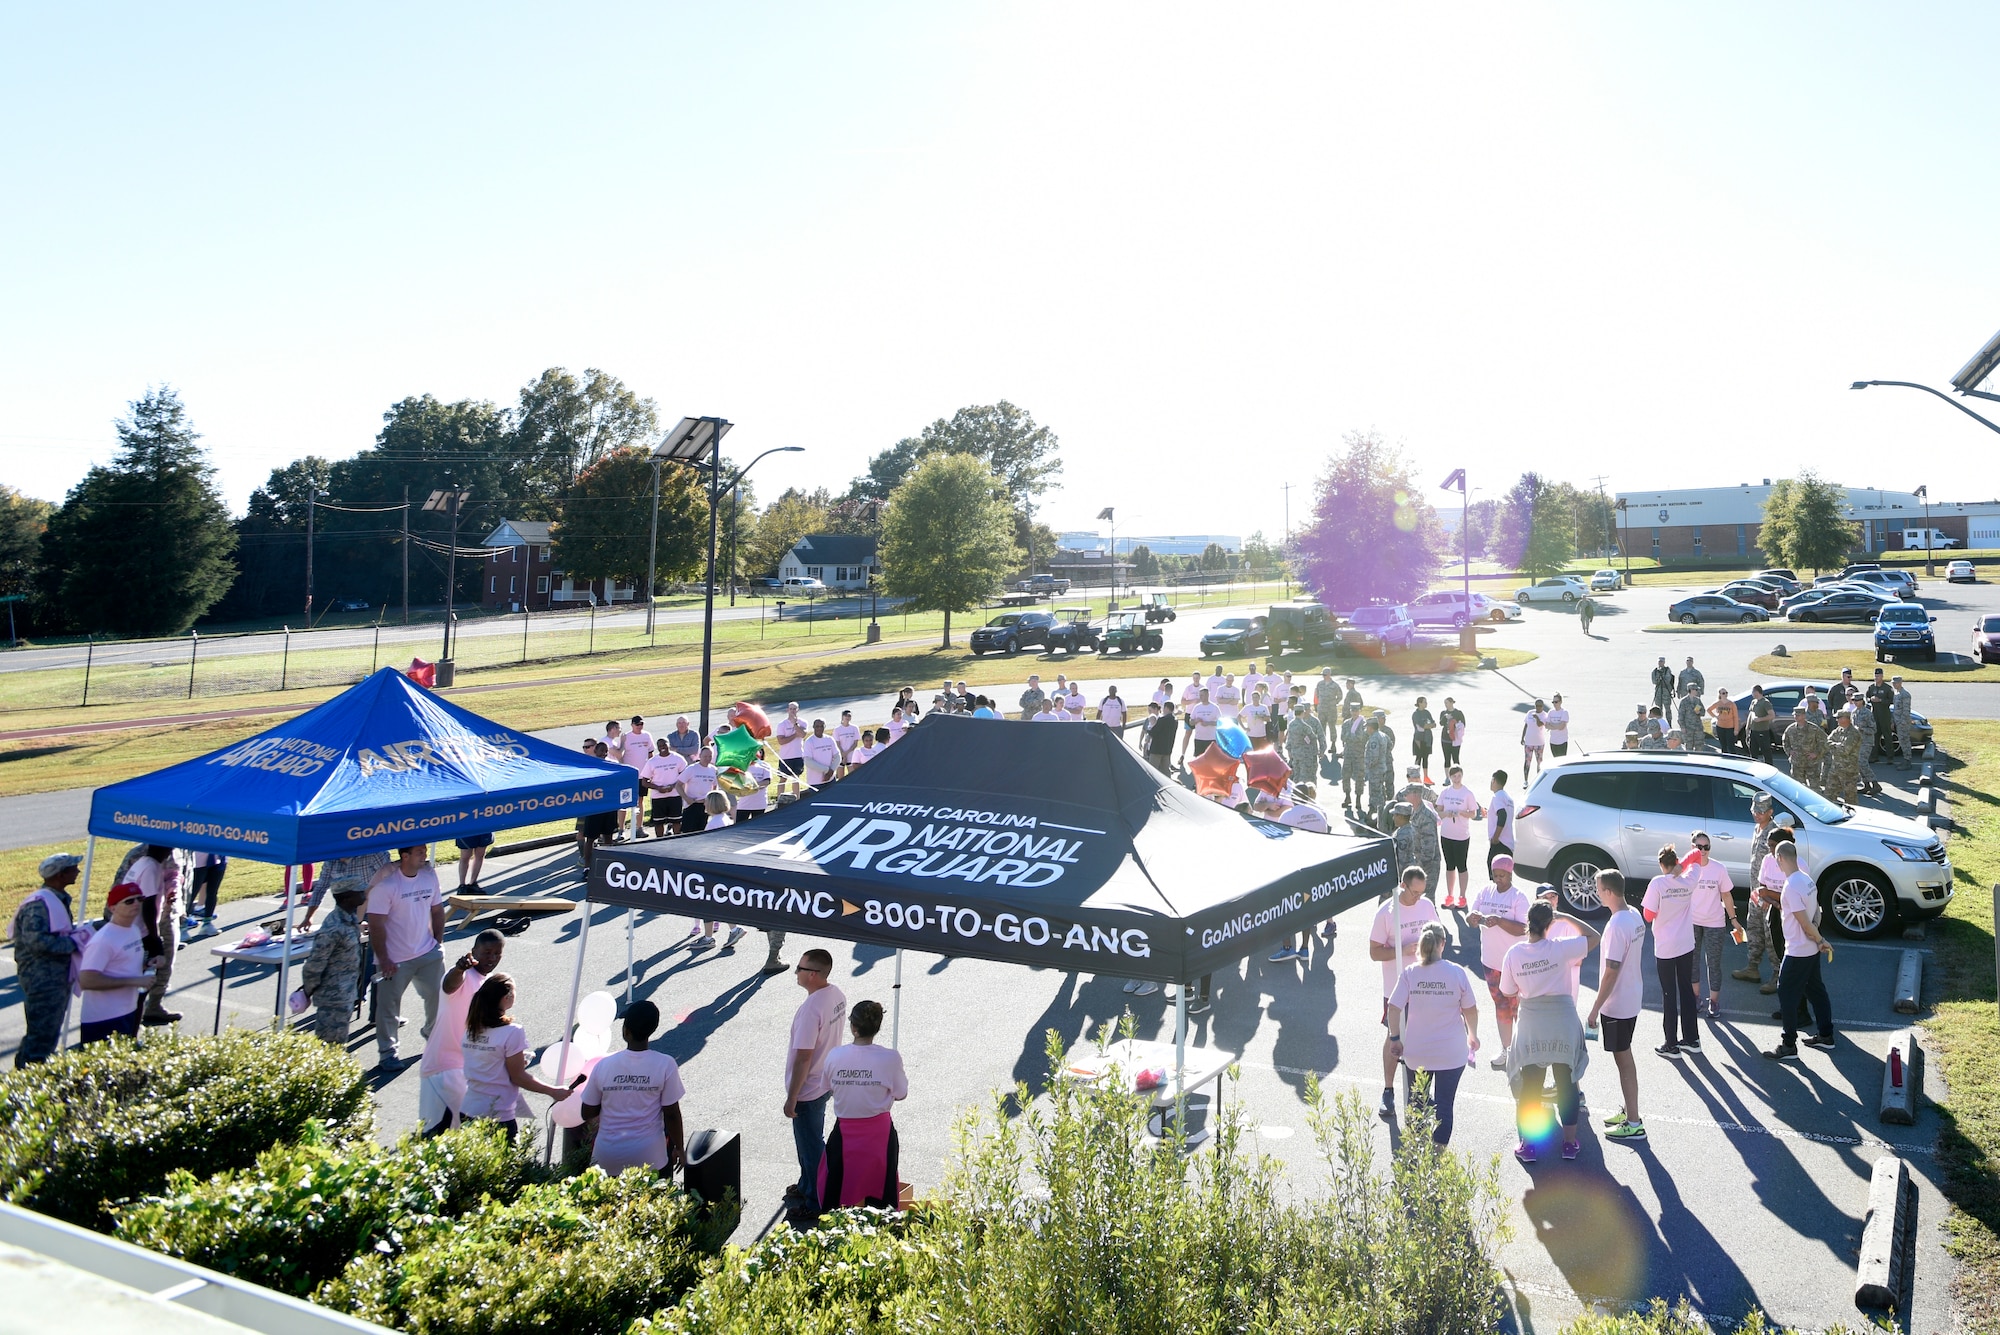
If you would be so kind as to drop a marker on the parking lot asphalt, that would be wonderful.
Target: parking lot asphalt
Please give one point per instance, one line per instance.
(1750, 1190)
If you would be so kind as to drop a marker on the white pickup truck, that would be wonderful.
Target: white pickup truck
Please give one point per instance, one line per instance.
(1042, 584)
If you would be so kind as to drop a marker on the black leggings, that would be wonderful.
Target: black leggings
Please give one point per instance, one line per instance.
(1441, 1093)
(1677, 1003)
(1528, 1108)
(207, 884)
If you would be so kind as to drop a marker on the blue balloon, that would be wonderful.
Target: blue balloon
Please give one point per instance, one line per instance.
(1233, 740)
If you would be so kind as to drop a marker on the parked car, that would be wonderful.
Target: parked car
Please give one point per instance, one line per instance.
(1905, 628)
(349, 605)
(1843, 605)
(1960, 572)
(1617, 809)
(1558, 589)
(1377, 630)
(1856, 567)
(1748, 591)
(1128, 633)
(803, 584)
(1236, 635)
(1714, 607)
(1156, 608)
(1898, 583)
(1781, 572)
(1606, 581)
(1804, 597)
(1786, 582)
(1785, 696)
(1448, 607)
(1072, 632)
(1986, 639)
(767, 583)
(1300, 627)
(1011, 632)
(1042, 584)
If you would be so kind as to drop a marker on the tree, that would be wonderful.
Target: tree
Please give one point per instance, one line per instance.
(784, 521)
(1145, 565)
(1534, 531)
(606, 527)
(1214, 558)
(1025, 455)
(1372, 535)
(142, 545)
(948, 537)
(564, 425)
(22, 519)
(1803, 525)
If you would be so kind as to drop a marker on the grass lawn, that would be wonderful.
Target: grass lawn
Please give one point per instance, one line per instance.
(1825, 665)
(588, 691)
(1965, 1028)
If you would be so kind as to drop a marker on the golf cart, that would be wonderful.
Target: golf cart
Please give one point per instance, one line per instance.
(1127, 633)
(1072, 632)
(1156, 608)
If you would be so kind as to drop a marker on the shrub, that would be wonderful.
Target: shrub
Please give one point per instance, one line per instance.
(583, 1256)
(112, 1121)
(1681, 1319)
(303, 1211)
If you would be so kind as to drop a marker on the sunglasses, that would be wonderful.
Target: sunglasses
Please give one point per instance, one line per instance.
(807, 968)
(1702, 847)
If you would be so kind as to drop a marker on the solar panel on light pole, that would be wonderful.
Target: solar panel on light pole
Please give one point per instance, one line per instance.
(691, 438)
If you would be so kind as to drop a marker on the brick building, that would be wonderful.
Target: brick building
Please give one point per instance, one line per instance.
(523, 577)
(1722, 522)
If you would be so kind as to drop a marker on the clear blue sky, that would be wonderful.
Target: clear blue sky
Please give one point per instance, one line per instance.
(1650, 242)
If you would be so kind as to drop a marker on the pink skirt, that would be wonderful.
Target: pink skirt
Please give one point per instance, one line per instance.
(859, 1166)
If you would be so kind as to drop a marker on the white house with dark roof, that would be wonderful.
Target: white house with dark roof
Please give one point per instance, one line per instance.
(837, 560)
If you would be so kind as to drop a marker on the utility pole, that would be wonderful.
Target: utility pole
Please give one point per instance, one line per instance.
(448, 499)
(406, 553)
(653, 552)
(312, 503)
(1286, 487)
(1599, 480)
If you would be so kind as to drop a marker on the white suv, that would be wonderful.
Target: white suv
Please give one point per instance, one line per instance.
(1447, 607)
(1617, 809)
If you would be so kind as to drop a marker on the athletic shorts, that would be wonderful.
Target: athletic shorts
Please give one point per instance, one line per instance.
(793, 765)
(1504, 1006)
(1617, 1033)
(601, 825)
(749, 813)
(695, 819)
(1495, 850)
(1455, 852)
(1558, 748)
(666, 809)
(1201, 745)
(472, 841)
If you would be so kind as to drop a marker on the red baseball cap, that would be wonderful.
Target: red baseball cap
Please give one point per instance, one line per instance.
(121, 892)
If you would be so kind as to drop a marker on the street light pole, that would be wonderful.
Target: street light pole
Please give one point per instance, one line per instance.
(653, 551)
(1930, 566)
(1468, 638)
(313, 493)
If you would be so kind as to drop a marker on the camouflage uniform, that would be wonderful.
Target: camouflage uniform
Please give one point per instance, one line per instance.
(332, 974)
(1899, 714)
(1326, 700)
(1379, 763)
(1843, 764)
(1757, 919)
(1424, 820)
(1031, 702)
(1864, 723)
(1688, 716)
(1305, 743)
(1805, 751)
(1690, 676)
(41, 967)
(1663, 687)
(1354, 742)
(1404, 837)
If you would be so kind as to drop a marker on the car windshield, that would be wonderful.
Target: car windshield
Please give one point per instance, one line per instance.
(1014, 620)
(1989, 623)
(1893, 613)
(1801, 798)
(1233, 623)
(1372, 616)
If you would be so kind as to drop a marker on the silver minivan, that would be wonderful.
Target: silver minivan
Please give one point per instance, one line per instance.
(1617, 809)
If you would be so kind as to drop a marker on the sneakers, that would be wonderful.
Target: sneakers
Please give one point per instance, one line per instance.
(1146, 989)
(735, 935)
(1668, 1050)
(1524, 1152)
(1499, 1062)
(1131, 985)
(1616, 1119)
(1387, 1112)
(1691, 1045)
(1748, 975)
(702, 942)
(1571, 1148)
(1281, 954)
(1783, 1052)
(1199, 1006)
(1627, 1131)
(1818, 1040)
(1715, 1008)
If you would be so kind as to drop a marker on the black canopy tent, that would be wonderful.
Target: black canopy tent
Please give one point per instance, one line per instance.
(1053, 846)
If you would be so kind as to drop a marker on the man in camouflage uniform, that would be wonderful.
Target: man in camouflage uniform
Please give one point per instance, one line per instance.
(1690, 676)
(1353, 743)
(1326, 697)
(1305, 744)
(1403, 836)
(1805, 751)
(1351, 696)
(1422, 801)
(44, 944)
(1864, 723)
(1843, 759)
(1663, 686)
(1899, 712)
(1379, 762)
(332, 975)
(1757, 920)
(1689, 717)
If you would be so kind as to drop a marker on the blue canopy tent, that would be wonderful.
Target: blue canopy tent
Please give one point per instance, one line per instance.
(385, 764)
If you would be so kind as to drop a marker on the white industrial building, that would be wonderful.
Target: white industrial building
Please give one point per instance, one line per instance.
(1723, 521)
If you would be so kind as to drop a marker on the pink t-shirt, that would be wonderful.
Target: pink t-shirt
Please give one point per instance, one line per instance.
(1382, 932)
(1711, 883)
(819, 1024)
(1434, 998)
(444, 1051)
(1541, 968)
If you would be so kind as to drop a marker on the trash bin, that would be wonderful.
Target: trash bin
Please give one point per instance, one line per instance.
(446, 669)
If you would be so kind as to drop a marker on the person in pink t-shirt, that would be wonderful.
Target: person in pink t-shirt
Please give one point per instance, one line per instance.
(442, 1091)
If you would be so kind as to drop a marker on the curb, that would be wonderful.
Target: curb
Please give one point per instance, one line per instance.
(1902, 1081)
(1910, 983)
(1878, 1276)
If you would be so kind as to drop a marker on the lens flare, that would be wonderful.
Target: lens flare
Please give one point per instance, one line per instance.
(1593, 1230)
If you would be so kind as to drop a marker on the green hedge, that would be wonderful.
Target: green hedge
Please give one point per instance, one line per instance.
(304, 1211)
(113, 1121)
(583, 1257)
(1683, 1320)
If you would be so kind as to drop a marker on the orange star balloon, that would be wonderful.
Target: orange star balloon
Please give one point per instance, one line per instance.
(1266, 770)
(1214, 773)
(746, 715)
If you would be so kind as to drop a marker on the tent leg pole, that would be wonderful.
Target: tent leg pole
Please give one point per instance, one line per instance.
(1180, 1060)
(631, 922)
(569, 1024)
(896, 1011)
(78, 918)
(285, 959)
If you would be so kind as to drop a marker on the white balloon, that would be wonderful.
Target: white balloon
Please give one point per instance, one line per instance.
(596, 1012)
(568, 1112)
(590, 1044)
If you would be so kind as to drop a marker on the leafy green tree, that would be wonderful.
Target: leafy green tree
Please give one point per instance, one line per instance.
(784, 521)
(22, 519)
(947, 538)
(1534, 531)
(1024, 454)
(1372, 534)
(1145, 565)
(1214, 558)
(1804, 527)
(142, 545)
(564, 425)
(606, 525)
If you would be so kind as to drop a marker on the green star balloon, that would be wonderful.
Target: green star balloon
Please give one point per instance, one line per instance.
(735, 748)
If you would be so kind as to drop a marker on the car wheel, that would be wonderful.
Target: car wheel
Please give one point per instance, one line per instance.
(1745, 619)
(1881, 657)
(1499, 615)
(1930, 655)
(1522, 599)
(1385, 650)
(1568, 597)
(1809, 616)
(1687, 618)
(1576, 877)
(1012, 646)
(1172, 615)
(1858, 901)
